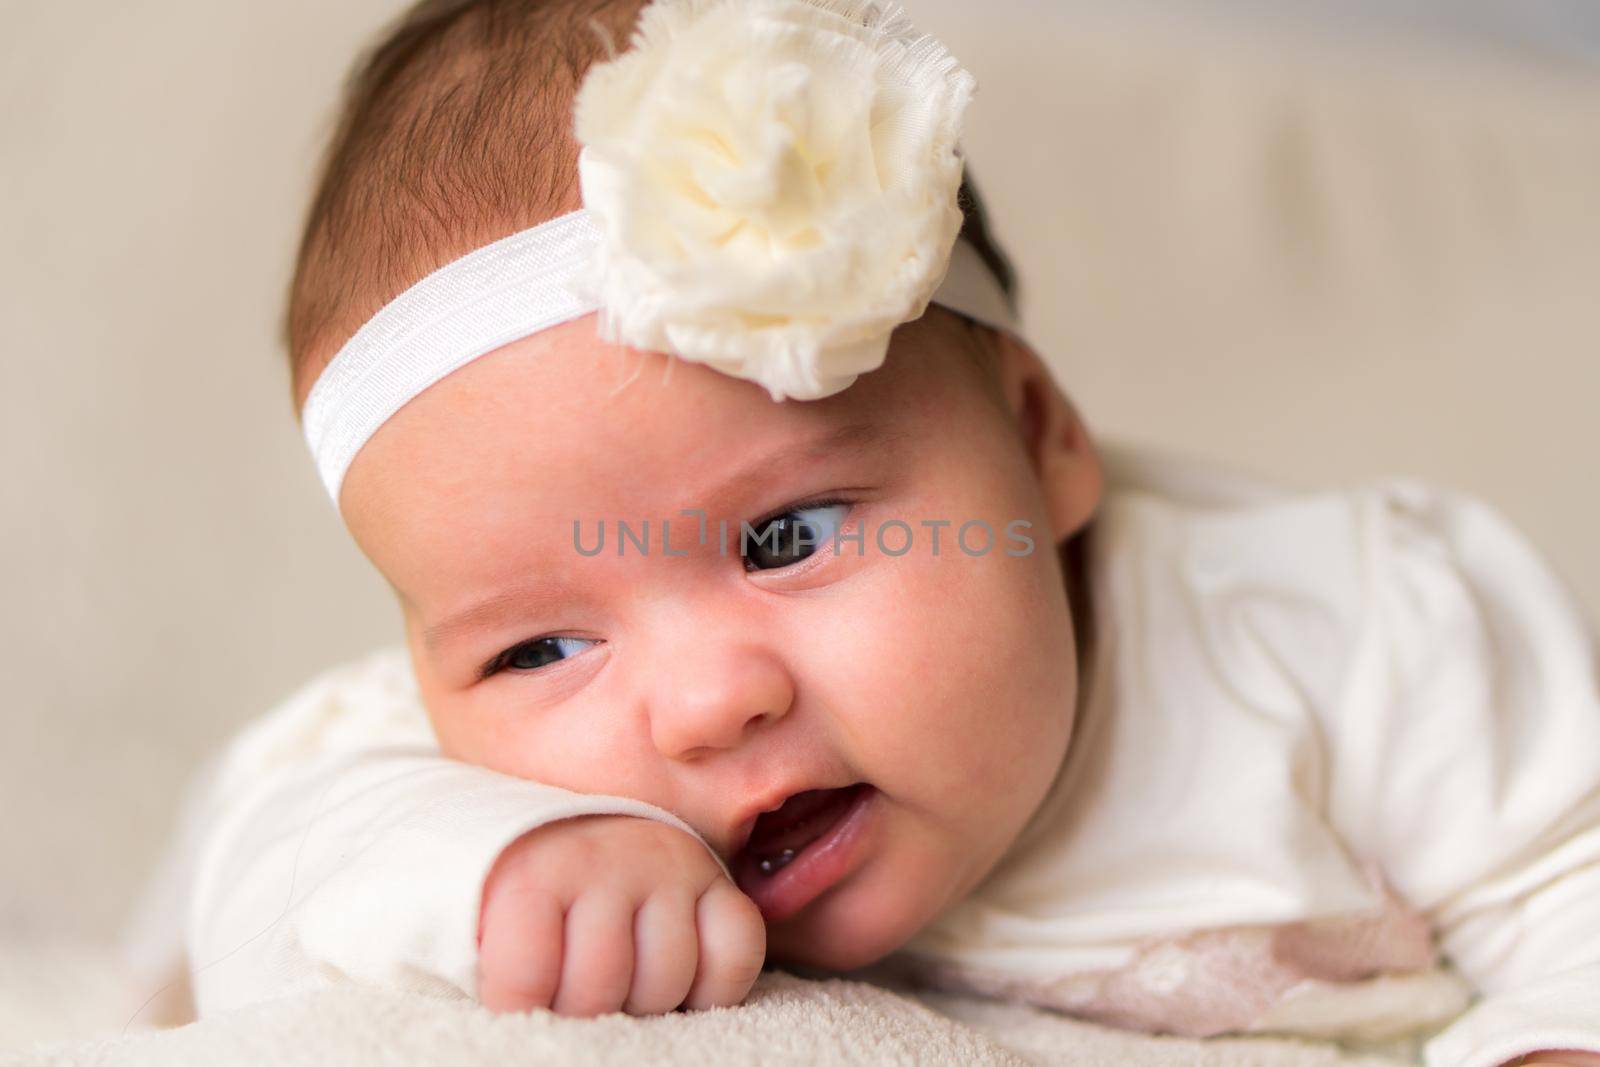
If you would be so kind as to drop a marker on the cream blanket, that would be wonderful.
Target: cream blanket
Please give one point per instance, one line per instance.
(786, 1020)
(52, 995)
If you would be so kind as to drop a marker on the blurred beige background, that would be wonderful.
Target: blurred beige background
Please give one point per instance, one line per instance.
(1319, 252)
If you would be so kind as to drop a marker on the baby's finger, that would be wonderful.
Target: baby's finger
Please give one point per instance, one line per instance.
(519, 960)
(665, 952)
(733, 946)
(597, 960)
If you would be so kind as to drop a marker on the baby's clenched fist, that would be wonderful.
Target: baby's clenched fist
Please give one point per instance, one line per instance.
(603, 913)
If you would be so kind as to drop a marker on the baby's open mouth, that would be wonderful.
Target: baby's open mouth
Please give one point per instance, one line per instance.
(797, 850)
(780, 835)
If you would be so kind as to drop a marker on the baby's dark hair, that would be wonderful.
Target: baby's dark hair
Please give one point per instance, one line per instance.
(456, 130)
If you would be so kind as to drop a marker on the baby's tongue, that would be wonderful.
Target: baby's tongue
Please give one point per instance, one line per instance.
(803, 818)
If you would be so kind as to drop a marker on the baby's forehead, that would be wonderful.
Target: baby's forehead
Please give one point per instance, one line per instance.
(560, 421)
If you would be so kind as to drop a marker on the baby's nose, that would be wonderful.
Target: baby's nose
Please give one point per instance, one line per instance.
(711, 696)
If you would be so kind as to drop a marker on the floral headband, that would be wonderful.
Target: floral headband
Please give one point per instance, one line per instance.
(769, 188)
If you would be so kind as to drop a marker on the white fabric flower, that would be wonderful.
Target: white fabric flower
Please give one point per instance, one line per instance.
(776, 184)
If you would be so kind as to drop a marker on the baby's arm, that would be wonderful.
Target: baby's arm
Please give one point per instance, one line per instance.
(1465, 757)
(342, 846)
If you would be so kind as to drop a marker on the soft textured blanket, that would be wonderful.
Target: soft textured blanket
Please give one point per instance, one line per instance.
(786, 1020)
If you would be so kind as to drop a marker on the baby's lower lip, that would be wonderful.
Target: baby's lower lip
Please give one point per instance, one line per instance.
(815, 868)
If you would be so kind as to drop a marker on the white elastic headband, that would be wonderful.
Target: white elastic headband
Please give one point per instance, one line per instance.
(491, 297)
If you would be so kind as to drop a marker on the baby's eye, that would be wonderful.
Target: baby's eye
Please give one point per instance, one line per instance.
(539, 652)
(786, 539)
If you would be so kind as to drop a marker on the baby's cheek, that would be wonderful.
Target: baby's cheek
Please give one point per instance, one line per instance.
(488, 729)
(458, 736)
(950, 660)
(1011, 712)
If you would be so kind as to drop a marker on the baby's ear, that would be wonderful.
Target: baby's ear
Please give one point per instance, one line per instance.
(1054, 437)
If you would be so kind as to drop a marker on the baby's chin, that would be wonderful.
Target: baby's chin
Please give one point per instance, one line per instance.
(829, 944)
(863, 919)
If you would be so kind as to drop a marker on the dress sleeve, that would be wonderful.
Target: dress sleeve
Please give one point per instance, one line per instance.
(1465, 759)
(341, 846)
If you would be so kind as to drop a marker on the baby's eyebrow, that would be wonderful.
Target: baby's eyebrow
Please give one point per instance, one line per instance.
(849, 435)
(759, 470)
(519, 596)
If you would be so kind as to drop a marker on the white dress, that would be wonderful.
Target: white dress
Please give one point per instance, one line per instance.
(1337, 773)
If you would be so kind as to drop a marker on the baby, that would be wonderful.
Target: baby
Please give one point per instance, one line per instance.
(769, 617)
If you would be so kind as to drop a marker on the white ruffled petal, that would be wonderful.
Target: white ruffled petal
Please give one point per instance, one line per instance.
(776, 184)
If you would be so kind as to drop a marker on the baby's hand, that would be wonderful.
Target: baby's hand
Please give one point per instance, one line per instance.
(602, 913)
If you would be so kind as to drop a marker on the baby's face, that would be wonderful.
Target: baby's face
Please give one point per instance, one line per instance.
(714, 684)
